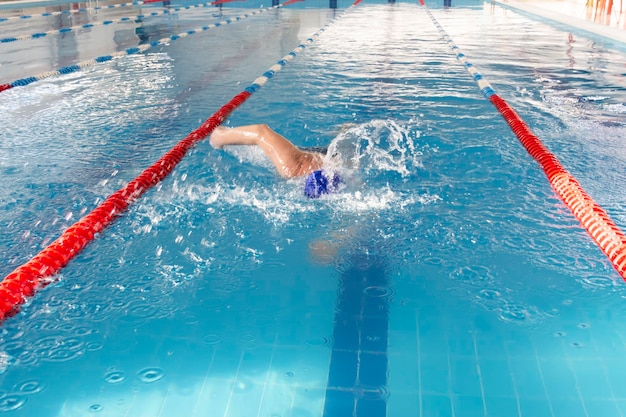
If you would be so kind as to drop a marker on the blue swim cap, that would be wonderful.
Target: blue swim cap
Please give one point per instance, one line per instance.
(319, 182)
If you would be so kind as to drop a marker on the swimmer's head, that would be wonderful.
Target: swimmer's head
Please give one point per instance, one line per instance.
(321, 182)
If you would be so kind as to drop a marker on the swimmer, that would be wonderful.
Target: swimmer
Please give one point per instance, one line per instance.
(289, 160)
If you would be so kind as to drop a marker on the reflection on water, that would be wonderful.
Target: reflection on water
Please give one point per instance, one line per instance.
(610, 13)
(606, 12)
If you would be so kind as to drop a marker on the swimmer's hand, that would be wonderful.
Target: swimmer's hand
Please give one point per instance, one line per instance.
(323, 252)
(328, 251)
(217, 137)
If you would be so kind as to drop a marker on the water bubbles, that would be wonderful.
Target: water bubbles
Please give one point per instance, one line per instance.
(118, 304)
(11, 403)
(143, 310)
(82, 331)
(433, 260)
(211, 339)
(26, 357)
(472, 274)
(516, 313)
(247, 338)
(139, 313)
(17, 398)
(57, 349)
(377, 291)
(48, 342)
(489, 294)
(598, 282)
(114, 377)
(93, 346)
(73, 343)
(376, 146)
(508, 315)
(94, 408)
(248, 341)
(29, 387)
(62, 355)
(150, 375)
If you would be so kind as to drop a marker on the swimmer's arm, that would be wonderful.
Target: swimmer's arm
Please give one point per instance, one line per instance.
(288, 159)
(327, 251)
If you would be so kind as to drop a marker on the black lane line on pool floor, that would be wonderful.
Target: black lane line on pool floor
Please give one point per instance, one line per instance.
(357, 377)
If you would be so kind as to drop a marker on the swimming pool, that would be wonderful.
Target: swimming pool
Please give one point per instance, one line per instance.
(446, 279)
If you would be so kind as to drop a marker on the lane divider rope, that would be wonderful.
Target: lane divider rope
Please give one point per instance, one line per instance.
(72, 11)
(21, 284)
(97, 8)
(131, 51)
(606, 234)
(103, 23)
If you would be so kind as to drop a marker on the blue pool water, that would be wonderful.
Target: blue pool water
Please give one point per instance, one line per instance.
(446, 279)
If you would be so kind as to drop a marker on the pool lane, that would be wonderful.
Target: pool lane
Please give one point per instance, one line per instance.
(357, 378)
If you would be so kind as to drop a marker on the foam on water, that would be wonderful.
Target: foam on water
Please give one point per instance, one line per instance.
(376, 146)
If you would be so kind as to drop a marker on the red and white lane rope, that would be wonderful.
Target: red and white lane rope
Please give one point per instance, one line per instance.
(90, 25)
(131, 51)
(97, 8)
(593, 218)
(24, 281)
(71, 11)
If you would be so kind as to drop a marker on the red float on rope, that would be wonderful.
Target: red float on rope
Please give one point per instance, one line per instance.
(594, 219)
(25, 280)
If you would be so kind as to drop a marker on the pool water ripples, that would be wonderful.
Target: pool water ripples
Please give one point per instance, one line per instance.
(74, 135)
(224, 261)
